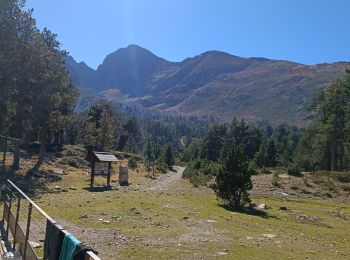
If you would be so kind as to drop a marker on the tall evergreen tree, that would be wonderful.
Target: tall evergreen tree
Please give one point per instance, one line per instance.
(331, 113)
(213, 142)
(36, 90)
(168, 156)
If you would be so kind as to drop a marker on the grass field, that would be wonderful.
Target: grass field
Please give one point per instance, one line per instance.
(176, 221)
(167, 218)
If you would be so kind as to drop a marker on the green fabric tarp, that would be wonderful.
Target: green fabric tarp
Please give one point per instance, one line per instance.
(69, 246)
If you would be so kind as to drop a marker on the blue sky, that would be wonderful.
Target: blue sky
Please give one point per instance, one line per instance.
(306, 31)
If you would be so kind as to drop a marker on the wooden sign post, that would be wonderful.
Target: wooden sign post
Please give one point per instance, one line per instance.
(101, 164)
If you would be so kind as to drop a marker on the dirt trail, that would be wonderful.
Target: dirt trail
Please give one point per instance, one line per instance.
(165, 181)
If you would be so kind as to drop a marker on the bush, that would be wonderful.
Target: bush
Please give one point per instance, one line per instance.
(74, 161)
(199, 180)
(275, 180)
(74, 150)
(343, 177)
(294, 170)
(132, 163)
(345, 187)
(265, 170)
(161, 167)
(253, 167)
(200, 172)
(211, 169)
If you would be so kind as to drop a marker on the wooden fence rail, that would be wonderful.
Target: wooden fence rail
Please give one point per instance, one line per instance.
(4, 144)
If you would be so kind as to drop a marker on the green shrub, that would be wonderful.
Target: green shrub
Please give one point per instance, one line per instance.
(161, 167)
(253, 167)
(74, 161)
(329, 195)
(345, 187)
(211, 169)
(199, 180)
(343, 177)
(275, 180)
(74, 150)
(132, 163)
(294, 170)
(200, 172)
(265, 170)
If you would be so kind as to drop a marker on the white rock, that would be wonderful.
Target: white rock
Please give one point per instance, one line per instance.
(269, 235)
(261, 206)
(284, 176)
(58, 172)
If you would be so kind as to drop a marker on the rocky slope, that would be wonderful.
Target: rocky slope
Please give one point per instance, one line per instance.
(213, 83)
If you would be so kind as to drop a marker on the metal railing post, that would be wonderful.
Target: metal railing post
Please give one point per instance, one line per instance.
(19, 228)
(4, 156)
(17, 217)
(27, 231)
(8, 214)
(15, 165)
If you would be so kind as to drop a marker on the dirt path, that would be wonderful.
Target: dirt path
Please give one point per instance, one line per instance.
(165, 181)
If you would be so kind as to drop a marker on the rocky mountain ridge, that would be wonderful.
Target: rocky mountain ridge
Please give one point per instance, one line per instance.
(213, 83)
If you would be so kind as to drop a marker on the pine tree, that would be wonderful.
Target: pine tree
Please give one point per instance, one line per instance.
(266, 156)
(234, 178)
(213, 142)
(331, 113)
(168, 156)
(149, 155)
(105, 133)
(55, 95)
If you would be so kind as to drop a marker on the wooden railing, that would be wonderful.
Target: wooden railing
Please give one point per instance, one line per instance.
(4, 145)
(26, 224)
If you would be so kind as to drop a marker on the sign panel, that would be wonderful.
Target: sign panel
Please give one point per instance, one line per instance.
(101, 168)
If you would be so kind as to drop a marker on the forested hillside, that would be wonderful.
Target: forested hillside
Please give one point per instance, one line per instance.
(325, 145)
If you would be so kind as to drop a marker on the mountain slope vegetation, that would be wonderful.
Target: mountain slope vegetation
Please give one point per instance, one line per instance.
(213, 83)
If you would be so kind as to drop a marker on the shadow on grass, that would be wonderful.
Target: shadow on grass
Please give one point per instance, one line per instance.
(32, 183)
(98, 189)
(249, 211)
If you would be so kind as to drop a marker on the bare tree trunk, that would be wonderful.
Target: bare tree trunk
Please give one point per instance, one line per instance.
(336, 168)
(332, 160)
(17, 131)
(341, 157)
(43, 141)
(327, 157)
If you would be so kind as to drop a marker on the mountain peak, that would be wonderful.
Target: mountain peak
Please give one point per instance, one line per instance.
(213, 83)
(129, 69)
(135, 46)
